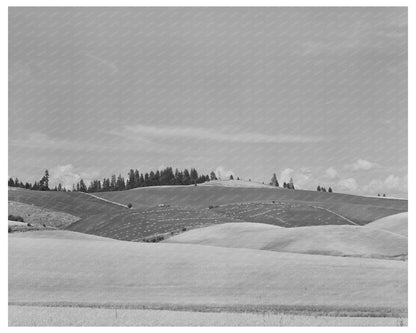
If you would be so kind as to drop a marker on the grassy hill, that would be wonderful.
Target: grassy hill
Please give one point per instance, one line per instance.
(189, 208)
(38, 216)
(397, 224)
(357, 208)
(78, 270)
(336, 240)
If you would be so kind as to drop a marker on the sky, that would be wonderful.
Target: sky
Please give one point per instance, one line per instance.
(317, 94)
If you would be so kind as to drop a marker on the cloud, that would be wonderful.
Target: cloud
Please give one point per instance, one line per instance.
(347, 184)
(210, 134)
(302, 178)
(331, 173)
(285, 175)
(42, 141)
(361, 164)
(390, 185)
(68, 175)
(222, 173)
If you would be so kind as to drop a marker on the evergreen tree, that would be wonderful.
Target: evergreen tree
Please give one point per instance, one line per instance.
(131, 180)
(193, 176)
(186, 177)
(231, 177)
(318, 188)
(44, 182)
(11, 182)
(290, 185)
(82, 186)
(136, 178)
(273, 181)
(213, 176)
(113, 183)
(330, 189)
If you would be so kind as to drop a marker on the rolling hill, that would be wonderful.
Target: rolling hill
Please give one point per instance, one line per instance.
(397, 224)
(71, 269)
(335, 240)
(187, 207)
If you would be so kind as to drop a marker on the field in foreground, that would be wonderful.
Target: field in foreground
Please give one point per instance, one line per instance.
(69, 316)
(59, 268)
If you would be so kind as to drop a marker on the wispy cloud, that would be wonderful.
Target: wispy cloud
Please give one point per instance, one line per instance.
(361, 164)
(41, 141)
(210, 134)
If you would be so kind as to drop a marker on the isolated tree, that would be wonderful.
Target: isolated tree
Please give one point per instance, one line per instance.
(330, 189)
(231, 177)
(284, 185)
(59, 187)
(213, 176)
(318, 188)
(291, 185)
(384, 194)
(44, 182)
(273, 181)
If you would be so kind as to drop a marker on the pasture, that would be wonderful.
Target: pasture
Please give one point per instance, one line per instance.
(187, 207)
(359, 209)
(299, 262)
(333, 240)
(85, 270)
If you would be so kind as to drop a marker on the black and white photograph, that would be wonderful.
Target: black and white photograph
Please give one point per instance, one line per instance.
(207, 166)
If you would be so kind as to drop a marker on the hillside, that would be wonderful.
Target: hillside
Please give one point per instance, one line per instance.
(335, 240)
(187, 207)
(38, 216)
(397, 224)
(89, 271)
(359, 209)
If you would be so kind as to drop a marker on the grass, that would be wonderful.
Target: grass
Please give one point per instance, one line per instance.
(84, 269)
(397, 224)
(360, 209)
(77, 316)
(336, 240)
(189, 209)
(38, 216)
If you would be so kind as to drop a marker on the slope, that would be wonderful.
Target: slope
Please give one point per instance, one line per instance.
(339, 240)
(94, 272)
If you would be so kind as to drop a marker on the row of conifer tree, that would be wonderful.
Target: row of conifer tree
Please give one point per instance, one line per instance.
(118, 183)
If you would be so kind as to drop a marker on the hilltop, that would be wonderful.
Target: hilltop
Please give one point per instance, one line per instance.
(187, 207)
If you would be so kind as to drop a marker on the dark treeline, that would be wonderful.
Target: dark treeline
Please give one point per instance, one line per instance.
(136, 179)
(41, 185)
(323, 189)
